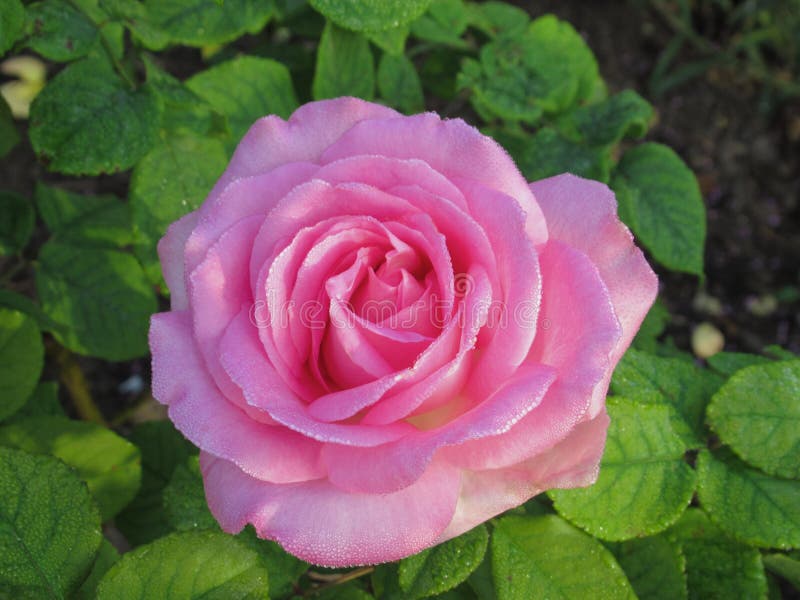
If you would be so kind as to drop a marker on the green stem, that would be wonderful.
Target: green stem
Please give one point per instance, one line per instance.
(71, 375)
(339, 580)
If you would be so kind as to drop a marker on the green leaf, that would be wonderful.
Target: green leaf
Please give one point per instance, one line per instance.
(49, 528)
(496, 18)
(25, 305)
(717, 566)
(86, 121)
(84, 220)
(392, 41)
(41, 403)
(245, 89)
(109, 464)
(100, 297)
(12, 23)
(674, 382)
(107, 557)
(546, 69)
(59, 31)
(184, 499)
(136, 18)
(644, 483)
(192, 564)
(344, 65)
(8, 130)
(748, 504)
(757, 413)
(624, 115)
(659, 199)
(548, 153)
(21, 360)
(652, 327)
(728, 363)
(162, 190)
(545, 557)
(443, 567)
(284, 569)
(784, 566)
(655, 566)
(399, 84)
(370, 15)
(17, 219)
(443, 23)
(203, 22)
(162, 449)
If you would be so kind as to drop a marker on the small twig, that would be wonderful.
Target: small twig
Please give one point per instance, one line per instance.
(71, 375)
(335, 579)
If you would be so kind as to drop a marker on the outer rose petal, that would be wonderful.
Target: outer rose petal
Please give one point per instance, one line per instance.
(170, 252)
(327, 526)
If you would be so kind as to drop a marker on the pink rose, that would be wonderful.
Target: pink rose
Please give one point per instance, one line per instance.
(382, 336)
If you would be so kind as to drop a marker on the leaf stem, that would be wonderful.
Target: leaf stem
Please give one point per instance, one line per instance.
(71, 375)
(337, 579)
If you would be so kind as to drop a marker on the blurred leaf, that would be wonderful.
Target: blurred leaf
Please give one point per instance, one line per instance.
(244, 89)
(100, 297)
(21, 360)
(443, 23)
(59, 31)
(86, 121)
(659, 199)
(25, 305)
(84, 220)
(391, 41)
(748, 504)
(42, 402)
(655, 566)
(185, 500)
(545, 557)
(49, 527)
(108, 463)
(344, 65)
(497, 18)
(443, 567)
(624, 115)
(162, 190)
(370, 15)
(192, 564)
(728, 363)
(12, 23)
(644, 483)
(757, 413)
(785, 567)
(107, 557)
(17, 219)
(162, 449)
(716, 565)
(8, 130)
(399, 84)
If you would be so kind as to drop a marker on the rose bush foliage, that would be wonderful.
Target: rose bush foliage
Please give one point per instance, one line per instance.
(381, 335)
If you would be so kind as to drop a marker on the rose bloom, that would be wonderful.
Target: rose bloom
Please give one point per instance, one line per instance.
(381, 335)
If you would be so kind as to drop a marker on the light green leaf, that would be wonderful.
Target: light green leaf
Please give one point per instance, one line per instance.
(545, 557)
(644, 483)
(21, 360)
(86, 121)
(673, 382)
(12, 23)
(49, 528)
(659, 199)
(59, 31)
(162, 190)
(754, 507)
(655, 566)
(391, 41)
(108, 463)
(84, 220)
(245, 89)
(444, 23)
(17, 219)
(100, 297)
(370, 15)
(784, 566)
(757, 413)
(399, 84)
(344, 65)
(42, 402)
(8, 130)
(624, 115)
(185, 500)
(717, 567)
(192, 564)
(443, 567)
(107, 557)
(496, 18)
(162, 449)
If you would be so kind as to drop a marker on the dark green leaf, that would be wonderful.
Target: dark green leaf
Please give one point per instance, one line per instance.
(100, 297)
(245, 89)
(21, 360)
(655, 566)
(444, 23)
(443, 567)
(548, 153)
(748, 504)
(659, 199)
(624, 115)
(109, 464)
(25, 305)
(12, 23)
(17, 219)
(49, 528)
(8, 130)
(87, 121)
(370, 15)
(107, 557)
(133, 14)
(344, 65)
(399, 84)
(59, 31)
(727, 363)
(41, 403)
(284, 569)
(644, 483)
(757, 413)
(192, 564)
(184, 499)
(545, 557)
